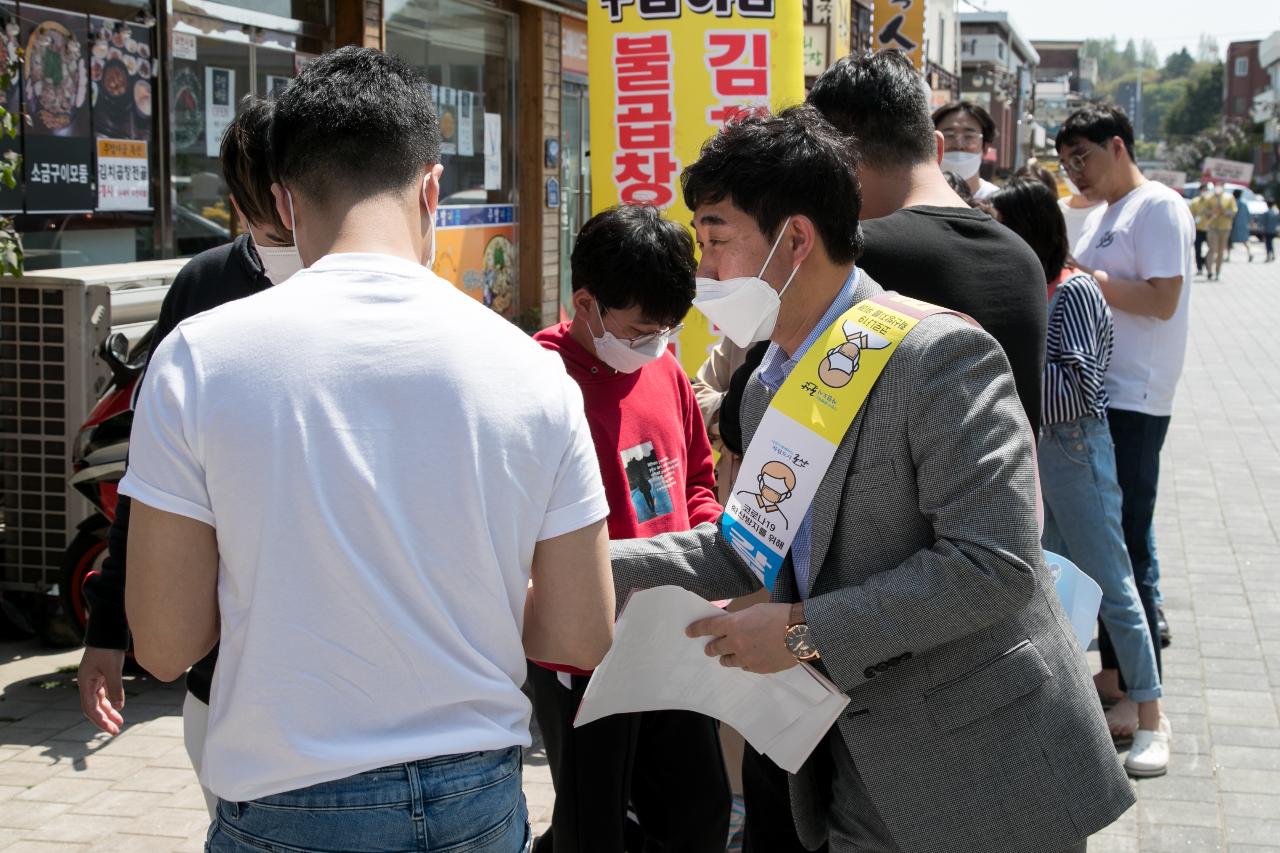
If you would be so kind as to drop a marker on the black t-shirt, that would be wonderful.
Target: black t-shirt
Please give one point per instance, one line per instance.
(964, 260)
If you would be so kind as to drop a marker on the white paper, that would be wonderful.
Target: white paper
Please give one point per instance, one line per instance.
(1080, 595)
(493, 151)
(466, 128)
(653, 666)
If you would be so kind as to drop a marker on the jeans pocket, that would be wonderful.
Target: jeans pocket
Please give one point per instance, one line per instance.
(1073, 445)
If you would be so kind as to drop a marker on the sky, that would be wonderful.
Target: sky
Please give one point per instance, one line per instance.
(1171, 24)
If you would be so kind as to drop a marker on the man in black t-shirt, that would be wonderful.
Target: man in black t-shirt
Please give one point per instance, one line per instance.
(921, 238)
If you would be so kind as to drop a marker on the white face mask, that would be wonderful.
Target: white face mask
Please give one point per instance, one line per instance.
(839, 361)
(963, 163)
(745, 308)
(620, 355)
(279, 262)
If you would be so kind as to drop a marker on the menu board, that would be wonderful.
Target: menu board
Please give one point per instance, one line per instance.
(122, 73)
(11, 199)
(58, 147)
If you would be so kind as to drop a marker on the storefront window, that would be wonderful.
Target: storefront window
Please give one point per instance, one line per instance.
(468, 56)
(87, 188)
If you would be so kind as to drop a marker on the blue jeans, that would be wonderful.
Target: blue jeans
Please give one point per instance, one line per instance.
(469, 803)
(1082, 522)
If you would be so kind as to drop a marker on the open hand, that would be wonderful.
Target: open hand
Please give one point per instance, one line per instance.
(102, 688)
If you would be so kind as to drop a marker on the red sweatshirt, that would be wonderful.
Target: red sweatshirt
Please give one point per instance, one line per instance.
(654, 455)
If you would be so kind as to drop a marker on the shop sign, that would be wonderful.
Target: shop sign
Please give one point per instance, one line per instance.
(899, 25)
(553, 193)
(1220, 170)
(124, 180)
(58, 155)
(184, 46)
(1168, 177)
(475, 250)
(11, 199)
(815, 49)
(219, 108)
(729, 56)
(573, 46)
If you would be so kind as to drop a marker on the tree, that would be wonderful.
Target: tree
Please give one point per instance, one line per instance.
(1208, 49)
(1150, 56)
(1130, 55)
(1178, 65)
(1199, 107)
(1216, 142)
(10, 242)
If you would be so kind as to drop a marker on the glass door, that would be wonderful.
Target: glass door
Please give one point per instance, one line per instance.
(575, 181)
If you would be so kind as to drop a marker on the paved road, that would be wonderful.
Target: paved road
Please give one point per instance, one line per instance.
(63, 787)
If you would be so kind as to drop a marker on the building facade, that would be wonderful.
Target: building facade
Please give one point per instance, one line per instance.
(1266, 111)
(998, 71)
(125, 167)
(1243, 77)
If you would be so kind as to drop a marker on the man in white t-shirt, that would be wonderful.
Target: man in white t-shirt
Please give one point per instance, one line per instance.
(968, 133)
(1140, 249)
(349, 480)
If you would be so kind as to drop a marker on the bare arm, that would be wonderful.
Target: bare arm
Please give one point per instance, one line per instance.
(568, 615)
(1155, 297)
(172, 595)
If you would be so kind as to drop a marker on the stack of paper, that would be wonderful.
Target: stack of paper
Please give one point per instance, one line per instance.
(653, 666)
(1080, 595)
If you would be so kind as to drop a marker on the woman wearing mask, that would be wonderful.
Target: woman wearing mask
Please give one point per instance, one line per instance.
(1078, 468)
(968, 132)
(1240, 224)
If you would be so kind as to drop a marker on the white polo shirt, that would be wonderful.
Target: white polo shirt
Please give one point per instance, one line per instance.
(378, 454)
(1148, 234)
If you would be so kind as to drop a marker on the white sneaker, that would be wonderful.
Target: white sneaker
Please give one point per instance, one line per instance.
(1149, 755)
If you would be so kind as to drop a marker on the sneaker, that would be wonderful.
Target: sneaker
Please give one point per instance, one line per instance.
(1162, 624)
(1149, 755)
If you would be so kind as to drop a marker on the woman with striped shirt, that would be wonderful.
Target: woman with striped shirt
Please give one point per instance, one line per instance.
(1078, 466)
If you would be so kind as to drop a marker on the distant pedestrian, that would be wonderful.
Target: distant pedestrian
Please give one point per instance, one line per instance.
(1222, 214)
(1270, 224)
(1200, 210)
(968, 133)
(1240, 225)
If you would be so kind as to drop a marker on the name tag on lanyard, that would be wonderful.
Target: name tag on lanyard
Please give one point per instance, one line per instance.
(806, 420)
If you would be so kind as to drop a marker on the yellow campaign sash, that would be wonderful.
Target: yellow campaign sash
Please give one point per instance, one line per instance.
(805, 423)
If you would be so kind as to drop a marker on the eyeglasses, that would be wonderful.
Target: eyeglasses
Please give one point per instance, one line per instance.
(964, 137)
(641, 340)
(1075, 163)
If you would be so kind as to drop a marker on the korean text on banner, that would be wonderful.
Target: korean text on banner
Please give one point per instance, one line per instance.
(728, 56)
(899, 25)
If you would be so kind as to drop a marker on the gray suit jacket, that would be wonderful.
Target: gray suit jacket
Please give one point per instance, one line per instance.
(973, 719)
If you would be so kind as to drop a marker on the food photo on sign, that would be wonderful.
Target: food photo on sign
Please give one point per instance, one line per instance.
(121, 73)
(55, 82)
(11, 199)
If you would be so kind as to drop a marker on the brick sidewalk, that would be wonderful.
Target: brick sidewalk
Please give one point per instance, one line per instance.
(65, 787)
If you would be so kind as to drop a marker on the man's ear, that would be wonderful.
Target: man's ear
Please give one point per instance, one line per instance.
(942, 145)
(283, 209)
(430, 196)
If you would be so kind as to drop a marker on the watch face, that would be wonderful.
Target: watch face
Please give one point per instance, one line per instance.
(798, 643)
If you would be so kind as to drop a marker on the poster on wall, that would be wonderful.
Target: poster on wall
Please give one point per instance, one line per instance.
(11, 199)
(899, 25)
(475, 251)
(493, 151)
(448, 110)
(121, 74)
(188, 109)
(741, 56)
(58, 146)
(466, 128)
(219, 107)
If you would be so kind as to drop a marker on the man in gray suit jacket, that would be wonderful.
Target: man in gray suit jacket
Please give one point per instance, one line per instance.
(916, 575)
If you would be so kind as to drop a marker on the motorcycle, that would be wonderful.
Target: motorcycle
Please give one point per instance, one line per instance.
(98, 462)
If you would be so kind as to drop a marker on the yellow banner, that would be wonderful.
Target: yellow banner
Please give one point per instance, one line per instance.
(899, 25)
(665, 74)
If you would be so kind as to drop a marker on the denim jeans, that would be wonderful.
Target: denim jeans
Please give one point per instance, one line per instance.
(469, 803)
(1082, 522)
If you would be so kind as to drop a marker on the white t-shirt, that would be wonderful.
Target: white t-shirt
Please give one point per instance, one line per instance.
(1075, 218)
(379, 454)
(986, 189)
(1147, 234)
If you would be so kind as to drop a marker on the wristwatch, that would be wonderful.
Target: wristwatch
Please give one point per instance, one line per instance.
(798, 644)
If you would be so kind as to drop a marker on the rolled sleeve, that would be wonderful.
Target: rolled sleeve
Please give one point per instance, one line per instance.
(165, 471)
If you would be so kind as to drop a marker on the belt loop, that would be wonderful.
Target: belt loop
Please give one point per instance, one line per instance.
(413, 770)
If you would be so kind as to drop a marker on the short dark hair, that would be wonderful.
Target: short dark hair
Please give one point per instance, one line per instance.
(772, 167)
(880, 100)
(246, 163)
(977, 113)
(355, 121)
(631, 255)
(960, 185)
(1097, 123)
(1237, 193)
(1030, 209)
(1034, 172)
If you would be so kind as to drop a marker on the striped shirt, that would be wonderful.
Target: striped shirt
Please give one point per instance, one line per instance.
(1077, 352)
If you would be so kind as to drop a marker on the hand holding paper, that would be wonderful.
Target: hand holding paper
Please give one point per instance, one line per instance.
(654, 665)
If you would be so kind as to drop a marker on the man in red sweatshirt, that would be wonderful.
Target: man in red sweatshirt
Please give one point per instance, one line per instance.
(632, 282)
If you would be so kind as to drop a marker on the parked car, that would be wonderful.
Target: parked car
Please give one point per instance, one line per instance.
(1257, 204)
